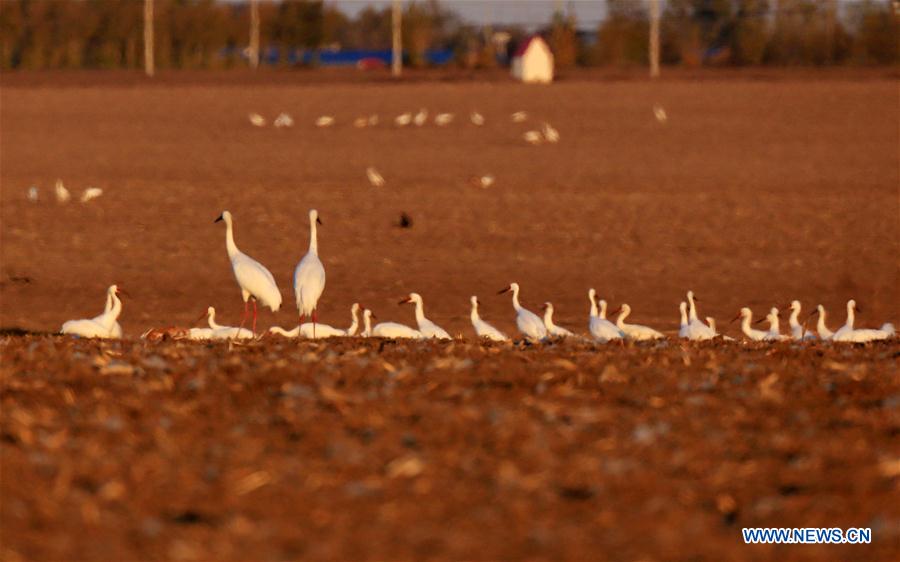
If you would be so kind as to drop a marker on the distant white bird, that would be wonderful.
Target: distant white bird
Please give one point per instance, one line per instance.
(220, 332)
(711, 322)
(421, 117)
(660, 113)
(200, 334)
(325, 121)
(391, 330)
(443, 119)
(403, 119)
(529, 324)
(360, 122)
(428, 328)
(482, 328)
(33, 194)
(692, 330)
(257, 120)
(102, 326)
(635, 331)
(774, 333)
(483, 182)
(847, 333)
(373, 119)
(798, 332)
(283, 120)
(600, 328)
(476, 118)
(550, 134)
(746, 317)
(91, 193)
(699, 330)
(62, 194)
(309, 276)
(532, 137)
(552, 329)
(821, 329)
(375, 178)
(252, 277)
(519, 117)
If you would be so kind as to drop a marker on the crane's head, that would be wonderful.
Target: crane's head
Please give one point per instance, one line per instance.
(314, 216)
(225, 216)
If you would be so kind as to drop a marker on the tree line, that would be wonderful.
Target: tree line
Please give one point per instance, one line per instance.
(48, 34)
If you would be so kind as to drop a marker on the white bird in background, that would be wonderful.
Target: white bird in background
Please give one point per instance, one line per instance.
(602, 329)
(257, 120)
(660, 113)
(529, 324)
(699, 330)
(711, 322)
(483, 182)
(550, 134)
(403, 119)
(373, 119)
(309, 276)
(91, 193)
(428, 328)
(360, 122)
(284, 120)
(443, 119)
(774, 333)
(325, 121)
(519, 117)
(746, 316)
(421, 117)
(482, 328)
(798, 332)
(552, 329)
(375, 178)
(254, 280)
(847, 333)
(62, 194)
(33, 194)
(102, 326)
(821, 329)
(476, 118)
(532, 137)
(391, 330)
(221, 332)
(635, 331)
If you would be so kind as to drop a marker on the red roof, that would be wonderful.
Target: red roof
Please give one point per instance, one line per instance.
(525, 44)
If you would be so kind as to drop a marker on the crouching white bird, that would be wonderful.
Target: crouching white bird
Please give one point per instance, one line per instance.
(635, 331)
(257, 120)
(375, 178)
(391, 330)
(443, 119)
(476, 118)
(821, 329)
(696, 329)
(103, 326)
(550, 134)
(774, 333)
(529, 324)
(421, 117)
(847, 332)
(482, 328)
(91, 193)
(428, 328)
(62, 194)
(798, 332)
(746, 317)
(254, 280)
(283, 120)
(221, 332)
(321, 330)
(553, 329)
(309, 276)
(403, 119)
(600, 328)
(325, 121)
(519, 116)
(532, 137)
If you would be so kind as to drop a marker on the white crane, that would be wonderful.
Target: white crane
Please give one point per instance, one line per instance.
(699, 330)
(746, 316)
(476, 118)
(403, 119)
(550, 134)
(774, 333)
(443, 119)
(221, 332)
(847, 333)
(257, 120)
(252, 277)
(283, 120)
(482, 328)
(325, 121)
(635, 331)
(391, 330)
(102, 326)
(711, 322)
(373, 119)
(519, 117)
(375, 178)
(798, 332)
(309, 276)
(529, 324)
(421, 117)
(360, 122)
(428, 328)
(62, 194)
(91, 193)
(532, 137)
(318, 331)
(602, 329)
(553, 329)
(821, 329)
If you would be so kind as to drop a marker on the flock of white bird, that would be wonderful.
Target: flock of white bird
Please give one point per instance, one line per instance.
(63, 195)
(257, 285)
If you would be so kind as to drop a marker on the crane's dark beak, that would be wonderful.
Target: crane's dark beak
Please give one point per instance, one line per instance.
(733, 320)
(218, 219)
(122, 292)
(763, 319)
(318, 220)
(501, 291)
(404, 301)
(858, 308)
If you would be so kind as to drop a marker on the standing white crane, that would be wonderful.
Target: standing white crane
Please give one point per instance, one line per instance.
(102, 326)
(309, 276)
(635, 331)
(482, 328)
(529, 324)
(428, 328)
(553, 329)
(602, 329)
(746, 316)
(821, 329)
(391, 330)
(252, 277)
(798, 332)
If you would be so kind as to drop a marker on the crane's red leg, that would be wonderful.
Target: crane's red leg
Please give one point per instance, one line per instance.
(244, 316)
(314, 323)
(254, 318)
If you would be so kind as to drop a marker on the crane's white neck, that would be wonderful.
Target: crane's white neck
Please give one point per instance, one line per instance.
(745, 325)
(683, 309)
(820, 325)
(793, 320)
(711, 322)
(211, 319)
(293, 333)
(774, 324)
(548, 318)
(229, 238)
(109, 303)
(515, 299)
(354, 324)
(620, 321)
(603, 309)
(593, 298)
(474, 314)
(851, 316)
(367, 322)
(313, 238)
(693, 313)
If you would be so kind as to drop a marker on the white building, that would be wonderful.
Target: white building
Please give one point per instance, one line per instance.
(533, 62)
